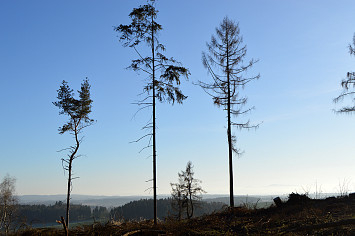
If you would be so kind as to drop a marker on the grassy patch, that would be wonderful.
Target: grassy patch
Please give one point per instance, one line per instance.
(298, 216)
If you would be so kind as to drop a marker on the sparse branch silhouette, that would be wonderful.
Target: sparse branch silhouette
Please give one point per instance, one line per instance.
(225, 62)
(348, 86)
(186, 194)
(78, 111)
(163, 73)
(8, 203)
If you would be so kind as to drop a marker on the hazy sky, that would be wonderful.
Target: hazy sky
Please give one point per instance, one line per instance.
(302, 48)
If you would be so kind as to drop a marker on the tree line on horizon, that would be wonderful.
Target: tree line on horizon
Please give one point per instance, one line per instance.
(41, 215)
(29, 215)
(141, 209)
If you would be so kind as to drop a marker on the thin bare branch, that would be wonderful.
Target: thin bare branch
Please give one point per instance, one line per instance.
(135, 141)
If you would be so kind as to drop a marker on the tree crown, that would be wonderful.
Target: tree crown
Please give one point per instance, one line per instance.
(144, 28)
(78, 110)
(225, 63)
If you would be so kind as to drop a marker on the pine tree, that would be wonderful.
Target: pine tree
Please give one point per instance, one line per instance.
(186, 194)
(224, 62)
(78, 111)
(163, 73)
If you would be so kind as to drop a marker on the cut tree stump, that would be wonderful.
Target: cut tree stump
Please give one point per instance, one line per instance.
(277, 201)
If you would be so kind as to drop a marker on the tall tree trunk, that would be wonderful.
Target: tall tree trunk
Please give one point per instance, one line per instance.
(192, 207)
(154, 143)
(229, 131)
(71, 158)
(187, 209)
(231, 194)
(230, 152)
(68, 194)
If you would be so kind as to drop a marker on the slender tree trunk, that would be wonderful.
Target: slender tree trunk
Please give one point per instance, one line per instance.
(230, 152)
(229, 131)
(231, 197)
(7, 229)
(192, 207)
(68, 194)
(71, 158)
(187, 209)
(154, 143)
(62, 221)
(180, 208)
(5, 219)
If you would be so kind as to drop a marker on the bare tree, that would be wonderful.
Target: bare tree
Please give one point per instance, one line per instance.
(187, 193)
(343, 187)
(163, 73)
(8, 203)
(225, 63)
(178, 199)
(78, 111)
(348, 86)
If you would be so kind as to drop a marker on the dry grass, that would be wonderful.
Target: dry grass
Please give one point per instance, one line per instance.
(299, 216)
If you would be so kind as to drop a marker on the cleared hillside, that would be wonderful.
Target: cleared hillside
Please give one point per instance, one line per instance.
(299, 215)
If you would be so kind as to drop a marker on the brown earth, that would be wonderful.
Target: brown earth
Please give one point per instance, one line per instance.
(300, 215)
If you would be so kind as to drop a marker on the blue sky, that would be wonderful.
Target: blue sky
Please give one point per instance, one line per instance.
(302, 48)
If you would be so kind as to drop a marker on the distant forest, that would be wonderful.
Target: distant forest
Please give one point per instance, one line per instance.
(134, 210)
(142, 209)
(42, 214)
